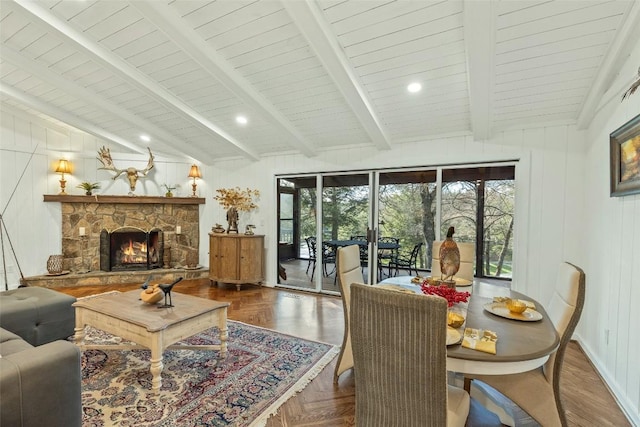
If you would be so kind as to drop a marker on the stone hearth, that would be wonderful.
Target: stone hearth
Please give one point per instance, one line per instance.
(97, 278)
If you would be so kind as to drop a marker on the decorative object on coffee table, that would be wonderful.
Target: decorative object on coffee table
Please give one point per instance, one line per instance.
(166, 288)
(151, 294)
(234, 200)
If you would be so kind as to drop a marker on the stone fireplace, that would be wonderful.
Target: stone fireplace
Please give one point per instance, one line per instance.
(166, 229)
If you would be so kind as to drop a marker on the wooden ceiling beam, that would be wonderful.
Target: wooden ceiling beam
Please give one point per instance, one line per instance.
(479, 40)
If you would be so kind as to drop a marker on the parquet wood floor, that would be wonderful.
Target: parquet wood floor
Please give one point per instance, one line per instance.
(319, 317)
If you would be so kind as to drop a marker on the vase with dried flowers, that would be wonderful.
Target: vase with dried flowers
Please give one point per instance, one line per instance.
(234, 200)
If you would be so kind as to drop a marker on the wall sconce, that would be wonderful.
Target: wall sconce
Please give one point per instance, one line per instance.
(64, 166)
(194, 173)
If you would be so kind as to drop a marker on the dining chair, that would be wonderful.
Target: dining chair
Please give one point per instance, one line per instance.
(467, 258)
(405, 262)
(364, 250)
(311, 244)
(400, 360)
(537, 392)
(348, 272)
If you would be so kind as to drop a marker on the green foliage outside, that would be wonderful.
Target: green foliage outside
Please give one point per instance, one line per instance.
(408, 211)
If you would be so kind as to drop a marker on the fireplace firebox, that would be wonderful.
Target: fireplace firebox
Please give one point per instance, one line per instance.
(130, 248)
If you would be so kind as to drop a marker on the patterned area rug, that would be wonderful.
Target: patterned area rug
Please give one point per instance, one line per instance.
(263, 369)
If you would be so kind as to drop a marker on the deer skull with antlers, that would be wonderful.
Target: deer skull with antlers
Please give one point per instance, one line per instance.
(104, 155)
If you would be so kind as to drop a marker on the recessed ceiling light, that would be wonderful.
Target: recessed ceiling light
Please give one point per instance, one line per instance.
(242, 120)
(414, 87)
(145, 138)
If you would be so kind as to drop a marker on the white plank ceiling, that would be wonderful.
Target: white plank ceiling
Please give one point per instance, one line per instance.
(309, 75)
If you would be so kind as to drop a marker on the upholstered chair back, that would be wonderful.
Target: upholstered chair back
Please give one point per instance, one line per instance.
(564, 310)
(348, 271)
(467, 258)
(399, 349)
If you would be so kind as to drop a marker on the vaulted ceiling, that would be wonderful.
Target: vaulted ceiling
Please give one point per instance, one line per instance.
(308, 75)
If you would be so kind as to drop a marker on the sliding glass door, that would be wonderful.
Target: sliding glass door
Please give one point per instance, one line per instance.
(394, 216)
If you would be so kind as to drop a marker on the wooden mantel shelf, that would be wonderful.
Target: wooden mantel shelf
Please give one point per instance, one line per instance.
(99, 198)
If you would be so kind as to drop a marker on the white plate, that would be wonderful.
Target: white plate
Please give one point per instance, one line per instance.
(453, 336)
(500, 309)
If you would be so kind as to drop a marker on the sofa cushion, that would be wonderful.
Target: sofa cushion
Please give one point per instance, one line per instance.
(38, 315)
(41, 386)
(11, 343)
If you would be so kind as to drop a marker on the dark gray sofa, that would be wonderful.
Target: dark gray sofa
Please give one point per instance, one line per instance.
(40, 378)
(39, 386)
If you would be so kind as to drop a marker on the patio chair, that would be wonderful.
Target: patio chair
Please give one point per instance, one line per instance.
(405, 262)
(311, 244)
(467, 258)
(348, 272)
(538, 391)
(328, 257)
(400, 360)
(386, 255)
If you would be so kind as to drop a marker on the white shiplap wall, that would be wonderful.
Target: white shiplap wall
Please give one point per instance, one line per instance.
(608, 329)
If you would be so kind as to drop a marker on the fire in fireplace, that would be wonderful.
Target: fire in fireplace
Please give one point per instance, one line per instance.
(130, 248)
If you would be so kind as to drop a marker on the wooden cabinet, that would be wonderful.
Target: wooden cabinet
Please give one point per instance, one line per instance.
(236, 258)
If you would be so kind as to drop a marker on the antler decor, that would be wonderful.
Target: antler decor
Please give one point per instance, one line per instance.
(634, 86)
(104, 155)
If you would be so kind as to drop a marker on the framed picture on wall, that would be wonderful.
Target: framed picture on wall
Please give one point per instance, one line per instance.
(624, 145)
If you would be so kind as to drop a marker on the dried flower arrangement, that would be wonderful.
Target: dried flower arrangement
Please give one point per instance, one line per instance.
(242, 200)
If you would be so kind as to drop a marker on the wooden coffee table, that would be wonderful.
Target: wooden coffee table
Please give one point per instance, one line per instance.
(123, 314)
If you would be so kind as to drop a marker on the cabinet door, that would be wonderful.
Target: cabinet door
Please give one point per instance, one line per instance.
(251, 260)
(214, 257)
(228, 258)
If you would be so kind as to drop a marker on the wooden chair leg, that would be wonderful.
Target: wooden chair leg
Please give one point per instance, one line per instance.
(467, 384)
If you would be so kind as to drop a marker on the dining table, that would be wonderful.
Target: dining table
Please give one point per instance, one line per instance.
(382, 248)
(521, 345)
